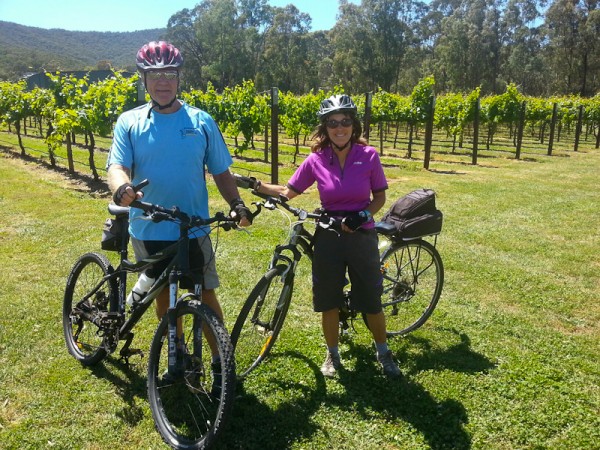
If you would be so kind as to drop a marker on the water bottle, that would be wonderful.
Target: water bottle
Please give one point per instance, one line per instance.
(138, 292)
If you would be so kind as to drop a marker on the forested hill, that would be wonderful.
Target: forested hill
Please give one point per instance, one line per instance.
(30, 49)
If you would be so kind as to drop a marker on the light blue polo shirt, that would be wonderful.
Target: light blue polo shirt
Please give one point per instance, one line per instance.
(171, 151)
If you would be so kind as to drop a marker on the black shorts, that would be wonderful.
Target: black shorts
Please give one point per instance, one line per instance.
(357, 255)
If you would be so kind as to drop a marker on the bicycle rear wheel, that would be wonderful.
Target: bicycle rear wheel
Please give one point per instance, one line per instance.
(260, 321)
(413, 276)
(86, 317)
(190, 405)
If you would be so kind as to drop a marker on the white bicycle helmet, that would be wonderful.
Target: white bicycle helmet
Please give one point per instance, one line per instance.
(336, 104)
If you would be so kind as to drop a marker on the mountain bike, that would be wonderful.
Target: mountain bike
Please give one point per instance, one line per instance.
(413, 277)
(188, 400)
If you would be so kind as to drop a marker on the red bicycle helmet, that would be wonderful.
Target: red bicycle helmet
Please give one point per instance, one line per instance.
(158, 55)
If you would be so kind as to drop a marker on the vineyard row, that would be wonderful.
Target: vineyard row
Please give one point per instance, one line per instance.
(75, 106)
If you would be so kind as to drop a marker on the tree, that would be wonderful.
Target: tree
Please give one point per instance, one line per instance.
(181, 32)
(370, 42)
(254, 17)
(225, 58)
(286, 45)
(573, 28)
(468, 50)
(522, 49)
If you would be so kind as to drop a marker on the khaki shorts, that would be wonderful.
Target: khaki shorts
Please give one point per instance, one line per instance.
(201, 255)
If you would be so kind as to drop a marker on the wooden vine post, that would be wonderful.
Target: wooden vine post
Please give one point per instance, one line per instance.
(429, 132)
(368, 106)
(476, 132)
(274, 136)
(552, 128)
(520, 128)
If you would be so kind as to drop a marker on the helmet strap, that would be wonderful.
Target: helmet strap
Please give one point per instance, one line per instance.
(342, 147)
(155, 104)
(158, 106)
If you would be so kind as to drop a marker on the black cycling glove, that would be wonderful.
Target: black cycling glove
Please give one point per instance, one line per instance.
(356, 219)
(239, 210)
(120, 192)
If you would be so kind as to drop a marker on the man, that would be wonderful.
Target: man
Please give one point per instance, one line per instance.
(171, 144)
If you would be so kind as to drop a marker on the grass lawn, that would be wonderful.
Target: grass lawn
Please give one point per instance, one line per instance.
(510, 359)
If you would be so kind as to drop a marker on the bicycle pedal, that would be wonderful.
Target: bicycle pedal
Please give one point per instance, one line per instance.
(129, 352)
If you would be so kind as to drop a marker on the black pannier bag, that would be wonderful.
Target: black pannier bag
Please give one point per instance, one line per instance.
(112, 233)
(415, 214)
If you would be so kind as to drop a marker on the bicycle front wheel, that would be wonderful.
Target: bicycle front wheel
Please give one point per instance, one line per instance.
(86, 318)
(191, 401)
(413, 276)
(260, 321)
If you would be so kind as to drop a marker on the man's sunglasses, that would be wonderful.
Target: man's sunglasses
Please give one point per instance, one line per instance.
(168, 75)
(336, 123)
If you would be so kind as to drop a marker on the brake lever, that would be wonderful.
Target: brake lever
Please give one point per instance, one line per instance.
(270, 205)
(331, 225)
(157, 217)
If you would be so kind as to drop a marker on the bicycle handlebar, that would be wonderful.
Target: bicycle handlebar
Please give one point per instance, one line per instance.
(322, 218)
(158, 213)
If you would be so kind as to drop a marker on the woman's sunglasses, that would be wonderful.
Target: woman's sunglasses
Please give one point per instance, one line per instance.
(336, 123)
(168, 75)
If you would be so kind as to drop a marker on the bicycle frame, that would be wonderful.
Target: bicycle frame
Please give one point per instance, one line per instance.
(177, 268)
(191, 368)
(299, 238)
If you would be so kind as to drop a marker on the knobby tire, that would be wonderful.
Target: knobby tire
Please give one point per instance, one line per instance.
(84, 340)
(185, 411)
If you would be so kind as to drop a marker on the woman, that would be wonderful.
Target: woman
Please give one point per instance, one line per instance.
(351, 186)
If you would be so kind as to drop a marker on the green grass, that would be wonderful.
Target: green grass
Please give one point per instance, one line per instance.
(509, 359)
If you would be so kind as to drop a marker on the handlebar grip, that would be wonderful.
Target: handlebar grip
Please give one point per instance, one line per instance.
(141, 205)
(244, 182)
(141, 185)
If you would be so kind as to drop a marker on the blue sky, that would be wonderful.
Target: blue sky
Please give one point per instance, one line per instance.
(132, 15)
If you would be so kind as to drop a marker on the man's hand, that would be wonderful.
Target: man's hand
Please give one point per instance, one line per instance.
(241, 212)
(124, 195)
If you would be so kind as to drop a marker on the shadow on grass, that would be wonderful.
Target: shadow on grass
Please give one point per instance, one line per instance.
(440, 423)
(81, 182)
(255, 425)
(129, 385)
(457, 358)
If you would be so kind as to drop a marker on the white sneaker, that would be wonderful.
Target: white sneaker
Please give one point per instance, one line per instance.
(331, 365)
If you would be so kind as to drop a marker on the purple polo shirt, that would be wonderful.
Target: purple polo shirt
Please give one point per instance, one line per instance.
(347, 189)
